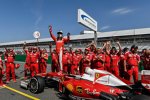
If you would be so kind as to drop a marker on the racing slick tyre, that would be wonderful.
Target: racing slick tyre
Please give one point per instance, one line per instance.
(36, 84)
(106, 96)
(140, 97)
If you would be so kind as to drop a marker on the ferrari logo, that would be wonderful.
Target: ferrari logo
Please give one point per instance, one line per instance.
(79, 89)
(97, 75)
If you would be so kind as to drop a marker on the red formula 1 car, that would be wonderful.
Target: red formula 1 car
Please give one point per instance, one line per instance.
(99, 84)
(94, 84)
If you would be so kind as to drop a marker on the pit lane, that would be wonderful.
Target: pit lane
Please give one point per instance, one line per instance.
(12, 91)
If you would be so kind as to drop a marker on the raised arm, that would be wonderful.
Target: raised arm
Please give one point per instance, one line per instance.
(68, 38)
(6, 49)
(108, 46)
(91, 44)
(51, 33)
(50, 48)
(120, 49)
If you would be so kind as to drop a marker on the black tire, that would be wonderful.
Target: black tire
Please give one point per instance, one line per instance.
(37, 84)
(140, 97)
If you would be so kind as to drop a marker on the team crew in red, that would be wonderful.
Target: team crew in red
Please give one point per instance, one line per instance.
(60, 40)
(43, 61)
(107, 56)
(132, 61)
(34, 59)
(55, 64)
(10, 65)
(99, 60)
(27, 61)
(1, 69)
(86, 61)
(115, 59)
(76, 58)
(66, 59)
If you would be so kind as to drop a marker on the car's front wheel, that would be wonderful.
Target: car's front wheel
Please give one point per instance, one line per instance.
(36, 84)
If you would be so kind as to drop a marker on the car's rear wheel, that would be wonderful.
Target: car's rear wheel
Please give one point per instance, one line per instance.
(36, 84)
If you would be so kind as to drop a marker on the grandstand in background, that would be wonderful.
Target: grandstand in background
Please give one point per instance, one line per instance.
(140, 37)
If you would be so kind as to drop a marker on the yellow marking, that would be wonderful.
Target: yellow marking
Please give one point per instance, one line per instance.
(21, 93)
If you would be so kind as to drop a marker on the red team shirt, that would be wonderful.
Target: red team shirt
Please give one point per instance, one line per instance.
(114, 60)
(34, 57)
(76, 59)
(27, 56)
(59, 43)
(132, 59)
(10, 58)
(98, 64)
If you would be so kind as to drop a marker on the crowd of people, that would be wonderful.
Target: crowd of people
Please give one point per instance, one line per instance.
(35, 63)
(123, 63)
(120, 62)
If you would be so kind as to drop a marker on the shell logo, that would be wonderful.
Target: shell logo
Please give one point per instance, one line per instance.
(69, 87)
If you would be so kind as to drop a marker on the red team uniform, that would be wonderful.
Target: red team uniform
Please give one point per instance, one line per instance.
(114, 68)
(86, 61)
(34, 58)
(132, 61)
(10, 66)
(55, 63)
(43, 61)
(66, 60)
(59, 43)
(98, 63)
(27, 63)
(107, 62)
(76, 58)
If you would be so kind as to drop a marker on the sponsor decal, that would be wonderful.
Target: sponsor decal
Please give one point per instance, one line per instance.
(87, 91)
(112, 90)
(79, 89)
(84, 17)
(97, 75)
(70, 87)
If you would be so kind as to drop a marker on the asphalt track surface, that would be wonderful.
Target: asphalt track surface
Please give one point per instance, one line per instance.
(12, 91)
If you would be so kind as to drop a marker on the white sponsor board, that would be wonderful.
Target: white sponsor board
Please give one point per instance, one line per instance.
(86, 20)
(36, 34)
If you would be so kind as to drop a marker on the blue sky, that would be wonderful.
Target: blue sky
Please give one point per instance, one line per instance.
(20, 18)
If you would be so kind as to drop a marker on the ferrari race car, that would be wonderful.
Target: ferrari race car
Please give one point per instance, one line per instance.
(94, 84)
(100, 84)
